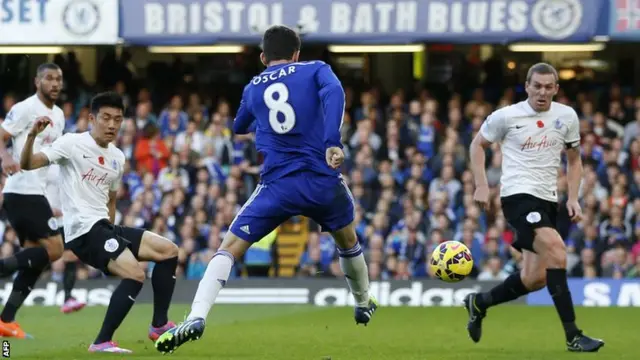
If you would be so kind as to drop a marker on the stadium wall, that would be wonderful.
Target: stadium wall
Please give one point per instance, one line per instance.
(320, 292)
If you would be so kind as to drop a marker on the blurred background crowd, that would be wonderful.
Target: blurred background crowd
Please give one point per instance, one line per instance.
(187, 174)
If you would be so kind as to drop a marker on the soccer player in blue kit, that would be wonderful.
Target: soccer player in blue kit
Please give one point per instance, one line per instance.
(296, 110)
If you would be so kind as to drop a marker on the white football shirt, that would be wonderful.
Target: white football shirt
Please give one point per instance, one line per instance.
(18, 123)
(532, 145)
(88, 173)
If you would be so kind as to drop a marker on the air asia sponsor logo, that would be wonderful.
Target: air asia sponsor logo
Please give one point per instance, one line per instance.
(94, 177)
(537, 145)
(416, 294)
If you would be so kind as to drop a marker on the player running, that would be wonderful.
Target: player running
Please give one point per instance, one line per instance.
(296, 109)
(91, 169)
(28, 210)
(52, 192)
(533, 134)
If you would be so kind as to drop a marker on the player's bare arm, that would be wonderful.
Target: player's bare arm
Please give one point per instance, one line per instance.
(9, 166)
(112, 206)
(478, 159)
(29, 160)
(574, 177)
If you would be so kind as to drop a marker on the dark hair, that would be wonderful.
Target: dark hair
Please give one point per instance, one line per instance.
(149, 130)
(280, 43)
(106, 99)
(47, 66)
(543, 69)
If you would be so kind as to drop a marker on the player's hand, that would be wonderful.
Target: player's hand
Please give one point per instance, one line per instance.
(56, 212)
(335, 157)
(575, 211)
(39, 125)
(481, 196)
(9, 166)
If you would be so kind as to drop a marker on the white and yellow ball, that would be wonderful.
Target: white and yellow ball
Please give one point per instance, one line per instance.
(451, 261)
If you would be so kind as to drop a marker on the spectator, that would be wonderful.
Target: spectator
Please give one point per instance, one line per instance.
(187, 175)
(151, 153)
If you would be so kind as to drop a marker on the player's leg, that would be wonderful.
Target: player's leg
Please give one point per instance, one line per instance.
(516, 209)
(22, 285)
(354, 267)
(32, 218)
(549, 245)
(69, 274)
(103, 249)
(530, 278)
(214, 280)
(127, 267)
(148, 246)
(36, 257)
(265, 210)
(69, 277)
(217, 273)
(336, 215)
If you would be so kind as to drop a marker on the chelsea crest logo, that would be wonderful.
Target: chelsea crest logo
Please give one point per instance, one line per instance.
(81, 17)
(557, 19)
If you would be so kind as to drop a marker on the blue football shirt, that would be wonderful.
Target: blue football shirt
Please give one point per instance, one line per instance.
(296, 110)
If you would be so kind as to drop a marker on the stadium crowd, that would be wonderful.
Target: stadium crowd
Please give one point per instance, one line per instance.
(187, 175)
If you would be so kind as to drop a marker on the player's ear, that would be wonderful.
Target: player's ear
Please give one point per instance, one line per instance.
(263, 59)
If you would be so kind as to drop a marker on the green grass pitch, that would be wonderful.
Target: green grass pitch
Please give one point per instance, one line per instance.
(305, 332)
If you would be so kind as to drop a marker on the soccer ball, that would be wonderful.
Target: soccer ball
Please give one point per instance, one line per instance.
(451, 261)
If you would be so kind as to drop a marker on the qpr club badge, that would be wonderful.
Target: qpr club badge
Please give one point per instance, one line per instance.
(558, 124)
(53, 223)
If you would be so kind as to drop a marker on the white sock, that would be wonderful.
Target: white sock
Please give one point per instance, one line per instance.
(215, 278)
(355, 270)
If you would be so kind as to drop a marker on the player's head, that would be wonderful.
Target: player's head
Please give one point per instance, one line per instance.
(542, 86)
(280, 43)
(49, 81)
(107, 114)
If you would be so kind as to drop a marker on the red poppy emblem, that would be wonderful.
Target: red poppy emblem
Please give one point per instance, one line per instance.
(540, 124)
(101, 160)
